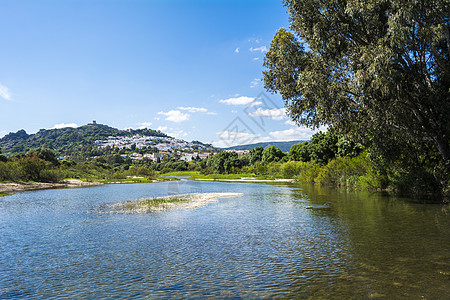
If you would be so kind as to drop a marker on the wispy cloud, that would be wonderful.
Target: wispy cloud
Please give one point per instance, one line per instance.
(5, 93)
(144, 125)
(274, 114)
(162, 128)
(177, 133)
(175, 116)
(290, 122)
(231, 138)
(242, 100)
(63, 125)
(196, 109)
(254, 83)
(236, 50)
(295, 133)
(193, 109)
(261, 49)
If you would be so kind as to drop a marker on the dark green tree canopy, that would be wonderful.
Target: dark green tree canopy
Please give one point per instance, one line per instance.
(377, 67)
(271, 154)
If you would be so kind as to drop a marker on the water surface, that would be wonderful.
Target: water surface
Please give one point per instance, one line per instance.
(276, 241)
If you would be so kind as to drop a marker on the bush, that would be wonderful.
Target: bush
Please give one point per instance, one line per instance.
(343, 170)
(50, 176)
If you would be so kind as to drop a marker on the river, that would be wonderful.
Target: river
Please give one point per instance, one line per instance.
(275, 241)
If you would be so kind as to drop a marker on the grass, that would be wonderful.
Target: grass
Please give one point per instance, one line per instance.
(3, 194)
(181, 173)
(152, 204)
(125, 180)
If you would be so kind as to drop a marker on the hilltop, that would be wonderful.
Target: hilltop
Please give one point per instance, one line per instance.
(88, 140)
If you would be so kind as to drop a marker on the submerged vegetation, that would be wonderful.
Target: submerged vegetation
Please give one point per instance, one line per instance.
(188, 201)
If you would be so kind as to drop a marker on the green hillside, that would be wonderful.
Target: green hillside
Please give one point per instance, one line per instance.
(67, 141)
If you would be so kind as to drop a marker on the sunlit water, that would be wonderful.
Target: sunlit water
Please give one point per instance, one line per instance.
(276, 241)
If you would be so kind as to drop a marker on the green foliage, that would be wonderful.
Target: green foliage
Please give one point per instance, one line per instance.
(2, 157)
(378, 69)
(272, 154)
(300, 152)
(322, 147)
(224, 162)
(347, 147)
(74, 142)
(45, 154)
(255, 155)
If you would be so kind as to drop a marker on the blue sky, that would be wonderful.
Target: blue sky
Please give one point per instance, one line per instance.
(189, 68)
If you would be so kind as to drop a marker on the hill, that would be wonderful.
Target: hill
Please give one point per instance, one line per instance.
(284, 146)
(81, 141)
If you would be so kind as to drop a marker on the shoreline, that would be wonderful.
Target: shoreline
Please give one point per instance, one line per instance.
(13, 187)
(246, 180)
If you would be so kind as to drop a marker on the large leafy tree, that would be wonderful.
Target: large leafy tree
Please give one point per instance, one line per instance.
(381, 68)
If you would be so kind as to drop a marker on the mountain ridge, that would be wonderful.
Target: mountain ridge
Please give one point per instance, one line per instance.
(284, 146)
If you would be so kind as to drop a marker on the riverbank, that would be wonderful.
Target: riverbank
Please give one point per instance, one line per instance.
(12, 187)
(247, 180)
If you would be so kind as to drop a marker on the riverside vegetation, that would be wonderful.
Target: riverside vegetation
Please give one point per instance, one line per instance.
(327, 159)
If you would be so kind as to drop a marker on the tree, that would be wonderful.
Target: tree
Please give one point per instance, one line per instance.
(300, 152)
(255, 155)
(2, 157)
(377, 68)
(322, 147)
(45, 154)
(271, 154)
(224, 162)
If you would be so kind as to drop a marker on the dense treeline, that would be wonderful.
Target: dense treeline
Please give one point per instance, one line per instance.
(42, 165)
(328, 158)
(332, 159)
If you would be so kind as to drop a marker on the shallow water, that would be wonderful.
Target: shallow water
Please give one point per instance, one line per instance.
(275, 241)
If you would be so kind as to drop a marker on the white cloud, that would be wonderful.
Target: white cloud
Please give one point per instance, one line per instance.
(232, 138)
(261, 49)
(254, 83)
(295, 133)
(63, 125)
(193, 109)
(274, 114)
(162, 128)
(5, 93)
(144, 125)
(175, 116)
(177, 133)
(243, 100)
(256, 40)
(197, 109)
(236, 50)
(290, 122)
(255, 58)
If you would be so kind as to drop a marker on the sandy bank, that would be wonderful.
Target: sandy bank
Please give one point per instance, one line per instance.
(12, 187)
(185, 201)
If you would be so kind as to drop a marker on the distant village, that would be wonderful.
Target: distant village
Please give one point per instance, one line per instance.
(159, 147)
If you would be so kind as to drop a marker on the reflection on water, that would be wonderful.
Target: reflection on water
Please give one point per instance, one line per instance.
(283, 241)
